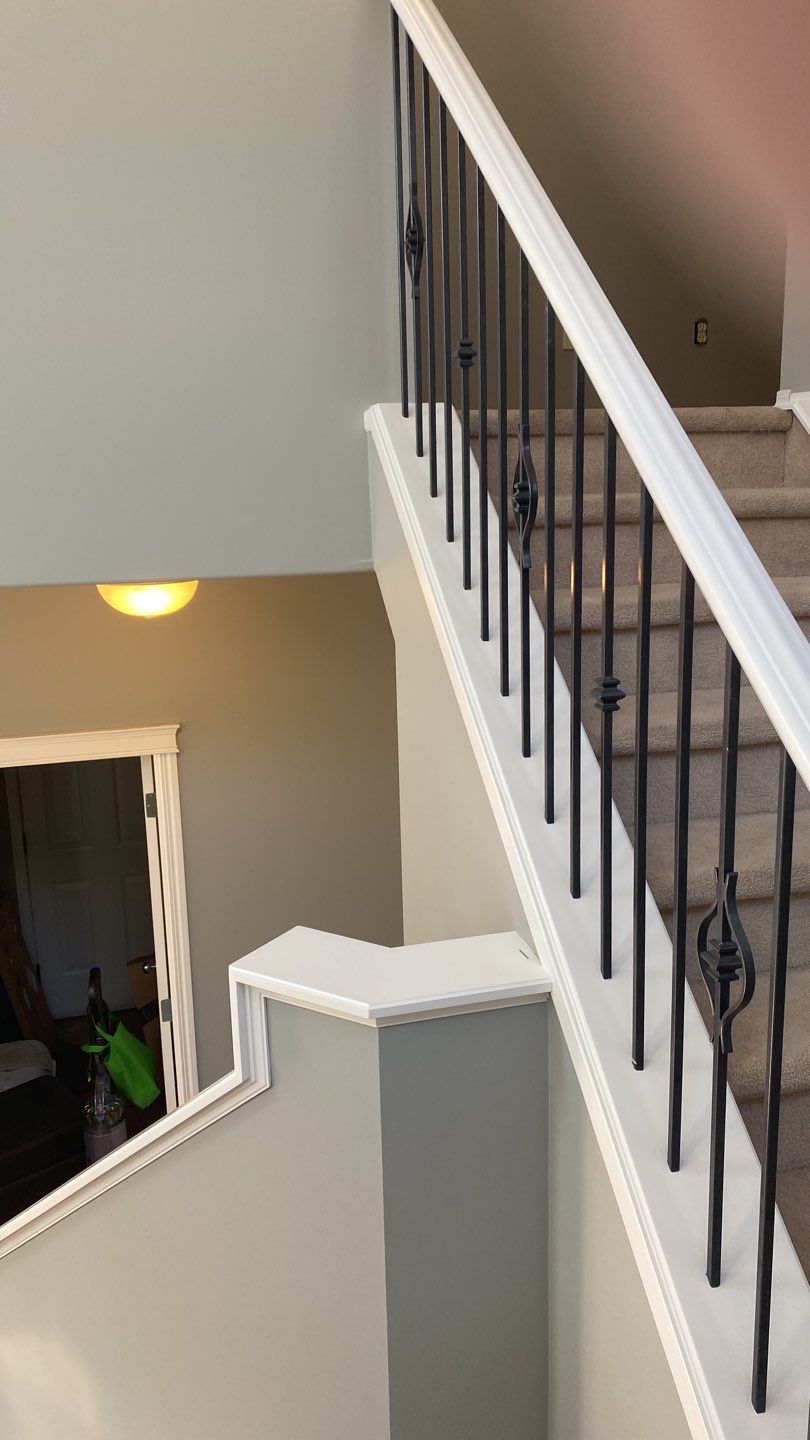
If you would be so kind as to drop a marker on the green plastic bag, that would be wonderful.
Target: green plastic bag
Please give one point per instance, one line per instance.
(131, 1064)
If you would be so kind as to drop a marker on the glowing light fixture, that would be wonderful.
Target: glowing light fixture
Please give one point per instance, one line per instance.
(150, 600)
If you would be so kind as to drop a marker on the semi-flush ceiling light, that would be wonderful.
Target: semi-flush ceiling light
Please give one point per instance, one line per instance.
(149, 601)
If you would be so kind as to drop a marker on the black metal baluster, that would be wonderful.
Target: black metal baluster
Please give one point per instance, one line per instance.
(645, 550)
(414, 246)
(403, 324)
(682, 765)
(608, 693)
(577, 490)
(483, 446)
(524, 504)
(550, 502)
(430, 279)
(773, 1075)
(503, 535)
(721, 962)
(444, 188)
(465, 355)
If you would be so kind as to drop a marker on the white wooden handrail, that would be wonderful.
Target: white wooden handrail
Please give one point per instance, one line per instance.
(749, 609)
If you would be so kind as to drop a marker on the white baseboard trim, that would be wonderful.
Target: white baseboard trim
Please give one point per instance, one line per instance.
(707, 1334)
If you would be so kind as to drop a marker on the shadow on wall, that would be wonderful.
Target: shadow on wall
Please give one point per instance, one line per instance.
(658, 157)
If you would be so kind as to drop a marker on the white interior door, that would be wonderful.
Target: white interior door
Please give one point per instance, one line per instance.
(88, 872)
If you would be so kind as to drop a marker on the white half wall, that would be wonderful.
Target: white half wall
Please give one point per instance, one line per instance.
(600, 1325)
(199, 220)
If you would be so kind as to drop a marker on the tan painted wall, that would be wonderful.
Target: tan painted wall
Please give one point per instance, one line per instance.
(284, 689)
(609, 1378)
(622, 113)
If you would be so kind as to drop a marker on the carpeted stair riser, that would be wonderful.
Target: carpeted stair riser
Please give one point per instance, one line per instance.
(781, 541)
(709, 656)
(732, 458)
(757, 919)
(758, 782)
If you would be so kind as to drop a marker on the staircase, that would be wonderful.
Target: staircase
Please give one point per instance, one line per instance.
(760, 458)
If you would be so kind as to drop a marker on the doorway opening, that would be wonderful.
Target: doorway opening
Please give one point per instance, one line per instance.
(92, 894)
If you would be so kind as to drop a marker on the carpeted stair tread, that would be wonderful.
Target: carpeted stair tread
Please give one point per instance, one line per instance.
(747, 1062)
(696, 420)
(665, 606)
(754, 859)
(786, 502)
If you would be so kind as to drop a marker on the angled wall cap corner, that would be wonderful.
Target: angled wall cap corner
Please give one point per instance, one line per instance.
(377, 985)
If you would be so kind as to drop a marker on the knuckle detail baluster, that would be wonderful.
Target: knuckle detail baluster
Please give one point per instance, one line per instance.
(607, 694)
(414, 241)
(524, 507)
(724, 955)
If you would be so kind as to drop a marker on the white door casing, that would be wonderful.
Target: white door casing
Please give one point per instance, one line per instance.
(156, 748)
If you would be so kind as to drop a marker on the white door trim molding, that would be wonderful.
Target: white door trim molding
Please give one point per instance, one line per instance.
(351, 979)
(249, 1077)
(87, 745)
(175, 916)
(158, 744)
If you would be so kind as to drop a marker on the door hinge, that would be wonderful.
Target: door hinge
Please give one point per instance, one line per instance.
(166, 1011)
(151, 805)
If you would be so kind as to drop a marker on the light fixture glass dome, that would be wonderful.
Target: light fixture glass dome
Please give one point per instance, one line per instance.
(149, 600)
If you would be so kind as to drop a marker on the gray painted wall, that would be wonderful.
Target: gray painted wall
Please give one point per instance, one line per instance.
(464, 1143)
(284, 691)
(377, 1213)
(194, 307)
(454, 870)
(233, 1288)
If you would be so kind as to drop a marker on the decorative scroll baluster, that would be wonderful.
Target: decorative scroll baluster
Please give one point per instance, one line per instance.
(444, 187)
(524, 504)
(608, 694)
(773, 1074)
(483, 445)
(550, 502)
(503, 536)
(427, 155)
(414, 247)
(642, 754)
(577, 520)
(403, 325)
(682, 758)
(722, 961)
(465, 354)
